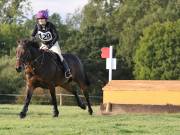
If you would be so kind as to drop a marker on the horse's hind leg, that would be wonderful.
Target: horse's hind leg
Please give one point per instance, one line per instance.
(86, 94)
(54, 102)
(84, 89)
(74, 92)
(79, 101)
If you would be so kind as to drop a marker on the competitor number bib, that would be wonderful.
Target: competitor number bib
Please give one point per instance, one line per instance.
(45, 36)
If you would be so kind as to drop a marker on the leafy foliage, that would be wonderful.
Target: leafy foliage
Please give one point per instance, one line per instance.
(9, 35)
(13, 11)
(11, 81)
(158, 56)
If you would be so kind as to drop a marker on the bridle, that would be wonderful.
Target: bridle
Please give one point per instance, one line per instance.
(24, 59)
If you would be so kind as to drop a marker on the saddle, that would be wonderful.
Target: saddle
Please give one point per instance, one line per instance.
(63, 65)
(55, 58)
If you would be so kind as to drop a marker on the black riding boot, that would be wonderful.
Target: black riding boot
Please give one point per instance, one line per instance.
(66, 69)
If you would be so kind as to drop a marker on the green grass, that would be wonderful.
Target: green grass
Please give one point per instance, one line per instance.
(74, 121)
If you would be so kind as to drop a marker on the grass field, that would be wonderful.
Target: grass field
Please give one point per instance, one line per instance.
(74, 121)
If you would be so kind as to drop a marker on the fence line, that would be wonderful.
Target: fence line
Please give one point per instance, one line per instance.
(70, 95)
(63, 99)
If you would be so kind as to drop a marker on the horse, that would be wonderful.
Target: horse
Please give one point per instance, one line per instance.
(44, 69)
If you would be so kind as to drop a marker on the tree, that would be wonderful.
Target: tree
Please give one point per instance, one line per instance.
(55, 18)
(99, 12)
(12, 11)
(9, 35)
(158, 55)
(74, 20)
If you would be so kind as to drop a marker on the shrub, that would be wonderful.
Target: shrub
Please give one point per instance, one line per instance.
(158, 55)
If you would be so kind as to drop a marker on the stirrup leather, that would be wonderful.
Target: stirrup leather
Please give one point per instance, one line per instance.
(68, 74)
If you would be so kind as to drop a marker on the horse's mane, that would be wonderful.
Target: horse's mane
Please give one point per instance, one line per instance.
(33, 43)
(29, 43)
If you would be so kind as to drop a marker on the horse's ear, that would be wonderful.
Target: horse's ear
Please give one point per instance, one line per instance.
(18, 41)
(26, 41)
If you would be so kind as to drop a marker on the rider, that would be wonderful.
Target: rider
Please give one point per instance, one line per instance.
(48, 35)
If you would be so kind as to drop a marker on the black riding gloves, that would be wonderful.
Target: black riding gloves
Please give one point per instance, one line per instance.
(50, 45)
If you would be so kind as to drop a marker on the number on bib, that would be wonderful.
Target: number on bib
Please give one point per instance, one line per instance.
(45, 36)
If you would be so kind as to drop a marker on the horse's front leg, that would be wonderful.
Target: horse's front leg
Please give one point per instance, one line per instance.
(54, 102)
(27, 101)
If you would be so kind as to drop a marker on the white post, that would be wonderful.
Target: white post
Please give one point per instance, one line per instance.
(60, 100)
(110, 57)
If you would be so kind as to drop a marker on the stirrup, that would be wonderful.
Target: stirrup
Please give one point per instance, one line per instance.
(68, 74)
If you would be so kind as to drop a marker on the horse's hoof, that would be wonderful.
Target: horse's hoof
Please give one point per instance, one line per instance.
(56, 114)
(90, 112)
(22, 115)
(83, 106)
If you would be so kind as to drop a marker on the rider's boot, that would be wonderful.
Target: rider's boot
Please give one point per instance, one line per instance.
(66, 69)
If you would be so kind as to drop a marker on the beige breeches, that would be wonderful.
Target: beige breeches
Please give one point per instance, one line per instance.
(55, 48)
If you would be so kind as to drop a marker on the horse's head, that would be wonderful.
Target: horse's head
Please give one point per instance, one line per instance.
(23, 53)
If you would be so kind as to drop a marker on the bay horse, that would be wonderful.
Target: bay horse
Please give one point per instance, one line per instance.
(43, 69)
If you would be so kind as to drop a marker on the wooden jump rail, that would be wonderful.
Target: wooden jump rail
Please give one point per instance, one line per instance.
(141, 96)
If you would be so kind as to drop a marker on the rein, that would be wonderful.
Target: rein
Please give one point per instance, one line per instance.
(36, 59)
(42, 60)
(32, 63)
(24, 59)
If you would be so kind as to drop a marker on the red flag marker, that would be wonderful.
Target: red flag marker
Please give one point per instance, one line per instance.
(105, 52)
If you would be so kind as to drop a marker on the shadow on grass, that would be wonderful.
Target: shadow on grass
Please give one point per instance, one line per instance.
(6, 128)
(30, 113)
(127, 131)
(9, 113)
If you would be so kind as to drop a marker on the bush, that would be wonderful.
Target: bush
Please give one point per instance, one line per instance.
(11, 81)
(158, 55)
